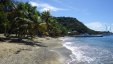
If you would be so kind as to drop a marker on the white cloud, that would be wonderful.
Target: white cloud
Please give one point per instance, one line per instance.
(45, 6)
(98, 26)
(111, 27)
(34, 4)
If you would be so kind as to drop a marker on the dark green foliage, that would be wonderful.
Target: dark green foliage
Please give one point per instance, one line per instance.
(23, 20)
(72, 24)
(57, 29)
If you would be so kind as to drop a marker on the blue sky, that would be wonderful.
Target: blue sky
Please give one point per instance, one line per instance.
(96, 14)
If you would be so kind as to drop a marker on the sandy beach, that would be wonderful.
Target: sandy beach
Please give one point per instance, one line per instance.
(49, 51)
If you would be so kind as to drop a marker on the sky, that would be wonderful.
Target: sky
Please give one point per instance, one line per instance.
(95, 14)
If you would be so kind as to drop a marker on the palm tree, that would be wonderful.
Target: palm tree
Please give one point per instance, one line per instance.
(26, 19)
(5, 7)
(46, 17)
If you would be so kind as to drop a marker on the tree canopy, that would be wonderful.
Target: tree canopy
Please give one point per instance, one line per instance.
(24, 20)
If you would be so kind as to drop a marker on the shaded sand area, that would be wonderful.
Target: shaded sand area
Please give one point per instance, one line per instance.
(47, 51)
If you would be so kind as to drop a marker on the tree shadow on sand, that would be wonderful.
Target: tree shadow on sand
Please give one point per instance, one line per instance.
(3, 39)
(25, 42)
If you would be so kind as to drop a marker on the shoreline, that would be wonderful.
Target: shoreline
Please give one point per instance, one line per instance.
(16, 53)
(57, 45)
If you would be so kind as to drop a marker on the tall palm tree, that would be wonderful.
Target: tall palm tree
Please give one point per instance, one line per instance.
(46, 17)
(5, 8)
(26, 17)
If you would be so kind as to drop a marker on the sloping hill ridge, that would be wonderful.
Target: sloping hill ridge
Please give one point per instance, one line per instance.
(72, 24)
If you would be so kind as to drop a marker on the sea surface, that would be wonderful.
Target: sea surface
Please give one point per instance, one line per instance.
(90, 50)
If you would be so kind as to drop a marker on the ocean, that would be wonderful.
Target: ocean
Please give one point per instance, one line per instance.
(90, 50)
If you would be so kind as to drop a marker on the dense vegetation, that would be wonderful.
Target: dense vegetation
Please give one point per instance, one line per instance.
(24, 20)
(74, 25)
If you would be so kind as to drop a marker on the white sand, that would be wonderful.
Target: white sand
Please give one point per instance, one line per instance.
(15, 53)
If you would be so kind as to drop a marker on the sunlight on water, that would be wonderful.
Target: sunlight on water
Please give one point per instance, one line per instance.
(89, 50)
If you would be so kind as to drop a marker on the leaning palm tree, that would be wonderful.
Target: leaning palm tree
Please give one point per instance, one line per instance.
(46, 17)
(26, 19)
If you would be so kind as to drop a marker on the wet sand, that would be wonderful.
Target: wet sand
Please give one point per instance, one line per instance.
(18, 53)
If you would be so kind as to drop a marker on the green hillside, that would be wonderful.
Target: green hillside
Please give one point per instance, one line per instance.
(72, 24)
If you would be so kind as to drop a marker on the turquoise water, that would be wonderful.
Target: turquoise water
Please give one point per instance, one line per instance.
(90, 50)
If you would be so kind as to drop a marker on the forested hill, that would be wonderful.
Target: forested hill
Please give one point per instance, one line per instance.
(72, 24)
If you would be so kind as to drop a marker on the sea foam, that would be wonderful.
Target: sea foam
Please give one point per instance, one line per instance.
(77, 55)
